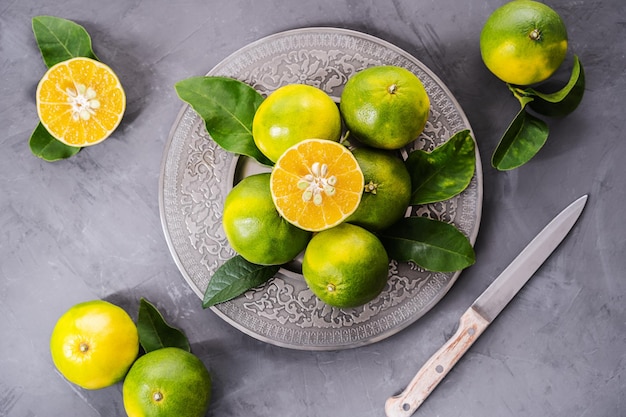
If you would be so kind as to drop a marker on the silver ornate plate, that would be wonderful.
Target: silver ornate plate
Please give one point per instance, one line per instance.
(196, 176)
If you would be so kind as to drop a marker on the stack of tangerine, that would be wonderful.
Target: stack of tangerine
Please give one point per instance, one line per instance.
(321, 197)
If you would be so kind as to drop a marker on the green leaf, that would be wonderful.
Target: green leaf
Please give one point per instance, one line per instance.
(60, 39)
(235, 277)
(432, 244)
(155, 333)
(444, 172)
(45, 146)
(227, 107)
(521, 141)
(564, 101)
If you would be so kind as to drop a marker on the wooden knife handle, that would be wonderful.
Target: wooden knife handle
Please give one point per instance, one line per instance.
(471, 325)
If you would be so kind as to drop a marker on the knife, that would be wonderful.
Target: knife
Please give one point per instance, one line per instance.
(483, 311)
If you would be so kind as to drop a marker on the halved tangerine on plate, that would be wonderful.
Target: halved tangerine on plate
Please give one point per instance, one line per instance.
(80, 101)
(316, 184)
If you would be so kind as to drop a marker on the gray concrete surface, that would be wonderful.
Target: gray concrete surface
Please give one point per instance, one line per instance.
(89, 227)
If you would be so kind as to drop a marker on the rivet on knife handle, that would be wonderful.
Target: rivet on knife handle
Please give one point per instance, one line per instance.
(471, 325)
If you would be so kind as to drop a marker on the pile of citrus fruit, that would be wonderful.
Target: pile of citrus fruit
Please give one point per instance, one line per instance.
(323, 198)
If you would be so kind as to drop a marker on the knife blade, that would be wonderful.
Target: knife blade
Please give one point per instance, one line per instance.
(484, 310)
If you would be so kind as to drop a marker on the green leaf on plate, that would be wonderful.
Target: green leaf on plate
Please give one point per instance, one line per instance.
(227, 107)
(432, 244)
(61, 39)
(155, 333)
(45, 146)
(522, 140)
(444, 172)
(564, 101)
(235, 277)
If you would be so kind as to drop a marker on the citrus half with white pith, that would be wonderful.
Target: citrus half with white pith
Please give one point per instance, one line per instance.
(80, 101)
(316, 184)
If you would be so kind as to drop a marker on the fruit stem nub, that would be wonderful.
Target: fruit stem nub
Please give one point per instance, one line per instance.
(371, 188)
(535, 34)
(392, 89)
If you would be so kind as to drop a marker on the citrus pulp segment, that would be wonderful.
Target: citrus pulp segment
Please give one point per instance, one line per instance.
(316, 184)
(80, 101)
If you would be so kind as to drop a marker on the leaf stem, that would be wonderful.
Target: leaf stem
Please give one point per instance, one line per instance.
(523, 96)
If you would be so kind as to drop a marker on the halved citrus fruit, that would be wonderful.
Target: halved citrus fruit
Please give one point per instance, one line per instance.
(316, 184)
(80, 101)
